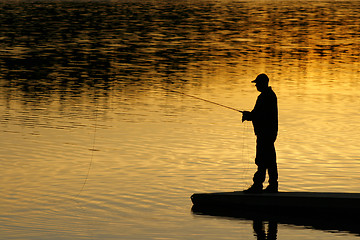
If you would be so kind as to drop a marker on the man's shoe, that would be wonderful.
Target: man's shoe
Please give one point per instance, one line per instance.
(271, 189)
(254, 189)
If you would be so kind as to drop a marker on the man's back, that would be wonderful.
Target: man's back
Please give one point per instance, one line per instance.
(265, 114)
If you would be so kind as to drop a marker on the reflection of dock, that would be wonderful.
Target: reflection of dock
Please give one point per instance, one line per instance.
(339, 203)
(323, 211)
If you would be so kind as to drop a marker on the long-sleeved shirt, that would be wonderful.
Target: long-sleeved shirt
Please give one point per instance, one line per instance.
(264, 116)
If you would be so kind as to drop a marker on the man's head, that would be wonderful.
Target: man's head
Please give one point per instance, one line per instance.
(261, 82)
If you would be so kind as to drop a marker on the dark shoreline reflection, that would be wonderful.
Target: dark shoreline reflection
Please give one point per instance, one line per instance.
(76, 45)
(324, 222)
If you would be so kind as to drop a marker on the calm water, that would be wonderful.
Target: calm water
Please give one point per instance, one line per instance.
(94, 147)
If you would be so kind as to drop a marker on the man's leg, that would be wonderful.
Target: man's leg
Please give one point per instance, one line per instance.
(272, 168)
(273, 174)
(260, 161)
(260, 174)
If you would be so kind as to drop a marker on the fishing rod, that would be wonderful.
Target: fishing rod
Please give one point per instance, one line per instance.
(188, 95)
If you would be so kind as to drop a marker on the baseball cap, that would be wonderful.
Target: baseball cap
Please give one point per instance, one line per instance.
(261, 78)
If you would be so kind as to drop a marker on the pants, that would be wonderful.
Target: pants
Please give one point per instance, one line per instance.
(265, 160)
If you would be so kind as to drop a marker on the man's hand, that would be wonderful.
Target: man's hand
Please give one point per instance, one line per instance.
(246, 116)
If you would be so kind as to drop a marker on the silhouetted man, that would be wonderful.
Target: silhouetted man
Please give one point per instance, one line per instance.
(264, 117)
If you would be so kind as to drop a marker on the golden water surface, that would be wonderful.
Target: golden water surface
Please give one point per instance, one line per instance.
(93, 146)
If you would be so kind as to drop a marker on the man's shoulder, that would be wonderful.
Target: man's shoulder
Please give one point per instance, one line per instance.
(271, 92)
(267, 93)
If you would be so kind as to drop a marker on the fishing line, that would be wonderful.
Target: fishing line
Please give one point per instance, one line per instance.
(92, 149)
(199, 98)
(245, 155)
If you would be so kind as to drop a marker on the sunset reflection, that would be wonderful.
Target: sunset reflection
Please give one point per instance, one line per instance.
(83, 96)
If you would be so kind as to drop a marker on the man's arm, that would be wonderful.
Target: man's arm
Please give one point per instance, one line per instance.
(249, 116)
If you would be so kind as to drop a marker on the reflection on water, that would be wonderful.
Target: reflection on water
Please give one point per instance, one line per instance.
(81, 74)
(260, 231)
(261, 234)
(47, 46)
(266, 223)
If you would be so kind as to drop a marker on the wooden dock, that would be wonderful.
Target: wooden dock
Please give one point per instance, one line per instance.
(327, 202)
